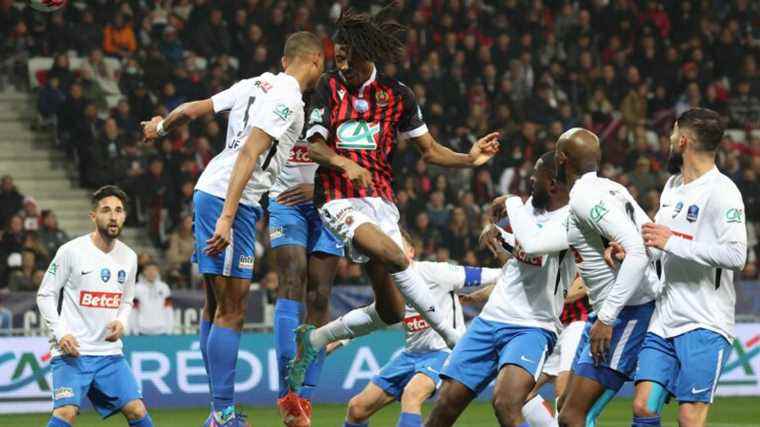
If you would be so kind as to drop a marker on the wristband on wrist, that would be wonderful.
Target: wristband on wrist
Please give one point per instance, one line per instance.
(160, 129)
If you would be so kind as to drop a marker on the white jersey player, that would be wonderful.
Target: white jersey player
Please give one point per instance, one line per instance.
(265, 122)
(517, 329)
(92, 280)
(411, 376)
(702, 236)
(602, 211)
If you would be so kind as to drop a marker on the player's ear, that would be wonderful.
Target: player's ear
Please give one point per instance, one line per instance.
(284, 62)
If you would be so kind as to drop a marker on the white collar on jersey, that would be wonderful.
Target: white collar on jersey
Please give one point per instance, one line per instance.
(369, 81)
(586, 175)
(703, 178)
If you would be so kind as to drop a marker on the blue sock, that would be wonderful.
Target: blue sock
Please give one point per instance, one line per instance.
(311, 378)
(57, 422)
(145, 421)
(646, 421)
(347, 424)
(204, 330)
(287, 317)
(524, 424)
(223, 346)
(409, 420)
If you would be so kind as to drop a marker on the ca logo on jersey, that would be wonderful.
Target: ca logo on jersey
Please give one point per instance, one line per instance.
(282, 111)
(598, 212)
(357, 135)
(735, 215)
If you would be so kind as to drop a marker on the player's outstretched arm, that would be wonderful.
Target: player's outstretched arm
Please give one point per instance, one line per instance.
(257, 142)
(158, 126)
(434, 153)
(535, 240)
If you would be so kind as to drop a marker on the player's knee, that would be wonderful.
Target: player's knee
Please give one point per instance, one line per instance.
(571, 417)
(641, 408)
(507, 408)
(396, 260)
(318, 300)
(135, 410)
(357, 410)
(689, 418)
(412, 398)
(67, 413)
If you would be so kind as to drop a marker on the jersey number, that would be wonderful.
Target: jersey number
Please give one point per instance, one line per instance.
(235, 143)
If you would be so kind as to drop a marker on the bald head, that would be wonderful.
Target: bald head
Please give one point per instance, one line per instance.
(578, 152)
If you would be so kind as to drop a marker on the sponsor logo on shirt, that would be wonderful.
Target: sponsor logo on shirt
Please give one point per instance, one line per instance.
(416, 323)
(300, 154)
(121, 277)
(357, 135)
(598, 211)
(105, 275)
(316, 115)
(282, 111)
(53, 268)
(692, 213)
(245, 262)
(100, 299)
(63, 393)
(523, 257)
(263, 85)
(735, 215)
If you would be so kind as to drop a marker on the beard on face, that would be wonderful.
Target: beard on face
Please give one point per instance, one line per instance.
(107, 232)
(675, 161)
(540, 197)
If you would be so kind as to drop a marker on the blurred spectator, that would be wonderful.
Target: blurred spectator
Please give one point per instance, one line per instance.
(119, 37)
(22, 278)
(103, 153)
(51, 235)
(102, 72)
(153, 313)
(181, 248)
(50, 100)
(6, 318)
(13, 236)
(11, 201)
(212, 37)
(642, 177)
(31, 213)
(744, 107)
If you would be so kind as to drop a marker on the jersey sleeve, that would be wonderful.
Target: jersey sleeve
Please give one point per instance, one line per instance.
(602, 214)
(55, 279)
(319, 110)
(455, 277)
(411, 124)
(225, 100)
(127, 300)
(274, 115)
(536, 240)
(729, 251)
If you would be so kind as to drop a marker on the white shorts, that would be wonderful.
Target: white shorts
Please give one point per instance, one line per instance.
(343, 216)
(561, 359)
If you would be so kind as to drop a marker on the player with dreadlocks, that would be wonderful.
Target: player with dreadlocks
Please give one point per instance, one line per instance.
(356, 115)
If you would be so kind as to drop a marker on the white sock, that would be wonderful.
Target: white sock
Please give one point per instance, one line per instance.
(537, 414)
(355, 323)
(418, 295)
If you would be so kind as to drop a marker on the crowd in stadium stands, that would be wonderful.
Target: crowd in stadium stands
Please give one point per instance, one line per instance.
(529, 69)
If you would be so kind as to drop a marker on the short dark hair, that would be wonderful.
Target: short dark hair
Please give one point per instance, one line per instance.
(406, 236)
(706, 126)
(108, 191)
(300, 43)
(548, 160)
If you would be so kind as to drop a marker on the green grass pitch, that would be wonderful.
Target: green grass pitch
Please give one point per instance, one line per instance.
(726, 412)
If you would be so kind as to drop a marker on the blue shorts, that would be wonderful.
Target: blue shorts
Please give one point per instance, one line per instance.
(397, 373)
(487, 346)
(301, 226)
(237, 259)
(620, 363)
(106, 380)
(688, 365)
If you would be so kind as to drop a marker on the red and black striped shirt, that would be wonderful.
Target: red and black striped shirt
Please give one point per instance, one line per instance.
(577, 310)
(363, 125)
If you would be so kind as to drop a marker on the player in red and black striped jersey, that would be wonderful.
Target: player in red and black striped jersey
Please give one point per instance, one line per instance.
(354, 121)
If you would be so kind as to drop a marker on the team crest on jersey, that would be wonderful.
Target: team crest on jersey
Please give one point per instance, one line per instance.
(275, 233)
(121, 277)
(316, 115)
(245, 262)
(677, 209)
(357, 135)
(692, 213)
(105, 275)
(382, 98)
